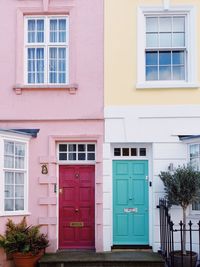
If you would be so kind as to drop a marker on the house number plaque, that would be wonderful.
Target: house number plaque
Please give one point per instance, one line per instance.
(76, 224)
(128, 210)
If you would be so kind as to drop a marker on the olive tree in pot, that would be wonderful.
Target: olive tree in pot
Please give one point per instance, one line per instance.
(24, 243)
(182, 187)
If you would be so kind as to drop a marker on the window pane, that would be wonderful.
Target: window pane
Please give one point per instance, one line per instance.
(63, 147)
(125, 151)
(31, 77)
(62, 30)
(194, 151)
(152, 40)
(9, 191)
(8, 148)
(53, 57)
(53, 30)
(62, 66)
(165, 39)
(194, 162)
(19, 162)
(165, 24)
(81, 156)
(9, 161)
(152, 24)
(61, 77)
(91, 147)
(178, 39)
(53, 77)
(91, 156)
(164, 73)
(117, 151)
(72, 156)
(19, 149)
(63, 156)
(165, 58)
(178, 58)
(31, 65)
(9, 205)
(9, 178)
(31, 25)
(31, 30)
(81, 147)
(19, 178)
(143, 152)
(72, 147)
(178, 24)
(40, 31)
(178, 73)
(133, 151)
(19, 191)
(152, 58)
(19, 204)
(151, 73)
(196, 206)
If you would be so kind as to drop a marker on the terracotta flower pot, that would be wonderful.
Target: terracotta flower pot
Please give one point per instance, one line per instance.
(26, 260)
(176, 259)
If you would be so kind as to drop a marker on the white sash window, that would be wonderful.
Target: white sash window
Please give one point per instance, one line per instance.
(46, 50)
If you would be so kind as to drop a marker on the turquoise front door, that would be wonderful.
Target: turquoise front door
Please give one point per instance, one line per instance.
(130, 202)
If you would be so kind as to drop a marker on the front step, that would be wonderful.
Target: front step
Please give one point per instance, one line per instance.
(111, 259)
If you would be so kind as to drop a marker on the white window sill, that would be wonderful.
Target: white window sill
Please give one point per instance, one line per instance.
(166, 85)
(71, 88)
(15, 213)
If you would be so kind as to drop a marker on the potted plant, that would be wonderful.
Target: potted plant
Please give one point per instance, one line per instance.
(25, 243)
(182, 188)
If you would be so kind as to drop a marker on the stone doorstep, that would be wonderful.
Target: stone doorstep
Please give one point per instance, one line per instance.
(104, 257)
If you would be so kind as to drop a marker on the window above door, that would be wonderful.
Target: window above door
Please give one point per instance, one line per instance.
(76, 152)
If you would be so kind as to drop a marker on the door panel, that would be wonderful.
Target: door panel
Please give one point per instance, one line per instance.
(76, 207)
(130, 202)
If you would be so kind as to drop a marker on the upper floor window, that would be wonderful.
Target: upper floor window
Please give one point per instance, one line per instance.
(47, 50)
(166, 49)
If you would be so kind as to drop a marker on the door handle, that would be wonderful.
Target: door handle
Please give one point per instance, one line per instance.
(60, 190)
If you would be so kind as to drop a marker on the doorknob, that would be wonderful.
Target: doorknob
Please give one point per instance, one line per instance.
(60, 190)
(76, 210)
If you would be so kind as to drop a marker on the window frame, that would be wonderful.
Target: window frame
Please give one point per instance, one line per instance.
(3, 169)
(46, 45)
(191, 63)
(77, 162)
(196, 142)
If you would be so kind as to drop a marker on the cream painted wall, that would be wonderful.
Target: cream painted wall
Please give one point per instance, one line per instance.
(121, 57)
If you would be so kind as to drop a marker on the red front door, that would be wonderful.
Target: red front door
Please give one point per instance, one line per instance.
(76, 207)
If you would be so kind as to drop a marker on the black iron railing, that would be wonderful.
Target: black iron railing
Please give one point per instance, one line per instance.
(171, 240)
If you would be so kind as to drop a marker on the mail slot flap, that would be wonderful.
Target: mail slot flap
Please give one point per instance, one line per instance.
(129, 210)
(76, 224)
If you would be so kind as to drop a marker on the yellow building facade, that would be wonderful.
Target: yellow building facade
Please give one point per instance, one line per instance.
(121, 56)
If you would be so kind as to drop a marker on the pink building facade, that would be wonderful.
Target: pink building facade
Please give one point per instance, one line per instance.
(51, 119)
